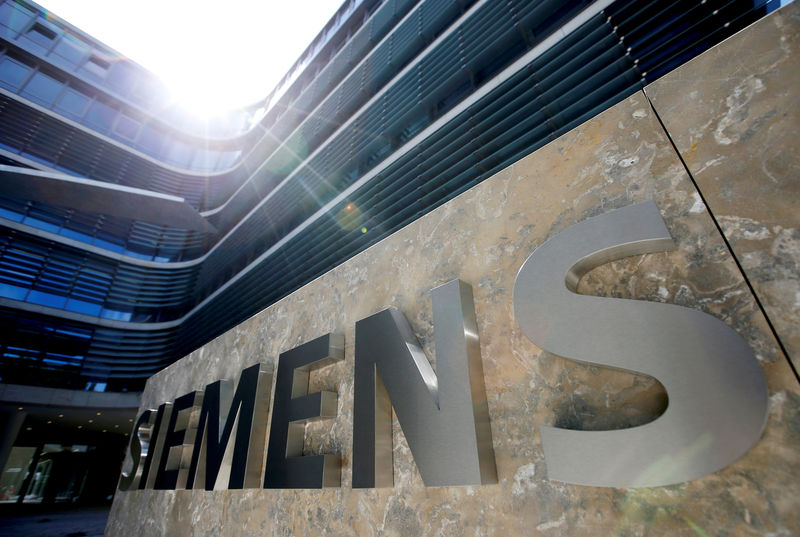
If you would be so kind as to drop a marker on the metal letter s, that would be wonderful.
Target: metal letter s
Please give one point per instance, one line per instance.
(716, 388)
(139, 450)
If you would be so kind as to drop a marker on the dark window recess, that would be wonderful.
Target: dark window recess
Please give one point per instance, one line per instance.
(415, 127)
(13, 73)
(38, 38)
(101, 116)
(41, 34)
(494, 63)
(453, 97)
(73, 103)
(96, 66)
(42, 89)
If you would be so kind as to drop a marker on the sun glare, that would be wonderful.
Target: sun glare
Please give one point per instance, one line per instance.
(213, 56)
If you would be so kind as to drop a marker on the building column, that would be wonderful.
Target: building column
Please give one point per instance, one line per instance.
(10, 424)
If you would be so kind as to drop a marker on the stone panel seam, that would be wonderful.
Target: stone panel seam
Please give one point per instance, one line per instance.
(724, 237)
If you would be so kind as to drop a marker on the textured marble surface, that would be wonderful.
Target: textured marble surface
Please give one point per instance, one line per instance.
(618, 158)
(734, 114)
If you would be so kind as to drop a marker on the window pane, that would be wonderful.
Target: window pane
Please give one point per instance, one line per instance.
(41, 34)
(42, 89)
(116, 315)
(13, 73)
(127, 127)
(108, 245)
(46, 299)
(101, 115)
(121, 77)
(72, 234)
(14, 17)
(13, 291)
(10, 215)
(96, 66)
(180, 154)
(70, 49)
(81, 306)
(205, 159)
(227, 159)
(40, 224)
(152, 141)
(73, 103)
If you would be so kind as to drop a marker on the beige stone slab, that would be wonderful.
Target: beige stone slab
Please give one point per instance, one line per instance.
(734, 114)
(618, 158)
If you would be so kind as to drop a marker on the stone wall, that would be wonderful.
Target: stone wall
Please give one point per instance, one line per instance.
(730, 119)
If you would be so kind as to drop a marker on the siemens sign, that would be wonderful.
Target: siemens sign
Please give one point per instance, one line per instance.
(214, 439)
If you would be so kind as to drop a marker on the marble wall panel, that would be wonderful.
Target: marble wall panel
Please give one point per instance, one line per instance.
(618, 158)
(734, 115)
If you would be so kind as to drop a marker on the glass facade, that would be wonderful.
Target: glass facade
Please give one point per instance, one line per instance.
(395, 108)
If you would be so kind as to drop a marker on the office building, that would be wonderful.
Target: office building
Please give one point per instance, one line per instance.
(133, 234)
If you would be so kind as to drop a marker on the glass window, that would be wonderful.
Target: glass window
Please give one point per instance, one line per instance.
(121, 77)
(41, 34)
(46, 299)
(77, 235)
(180, 154)
(13, 73)
(227, 159)
(137, 255)
(96, 66)
(127, 127)
(114, 247)
(40, 224)
(10, 215)
(71, 49)
(152, 141)
(116, 315)
(101, 116)
(73, 103)
(14, 17)
(42, 89)
(82, 306)
(205, 159)
(13, 291)
(142, 93)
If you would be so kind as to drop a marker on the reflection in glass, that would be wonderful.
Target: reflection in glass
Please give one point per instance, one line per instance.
(13, 73)
(42, 89)
(73, 103)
